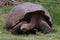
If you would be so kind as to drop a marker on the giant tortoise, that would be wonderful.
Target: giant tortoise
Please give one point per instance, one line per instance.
(29, 16)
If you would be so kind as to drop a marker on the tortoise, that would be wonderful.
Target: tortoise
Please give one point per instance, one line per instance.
(27, 11)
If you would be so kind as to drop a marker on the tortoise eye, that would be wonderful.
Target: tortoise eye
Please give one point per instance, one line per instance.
(42, 12)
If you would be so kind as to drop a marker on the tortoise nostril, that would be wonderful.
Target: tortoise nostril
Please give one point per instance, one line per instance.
(24, 30)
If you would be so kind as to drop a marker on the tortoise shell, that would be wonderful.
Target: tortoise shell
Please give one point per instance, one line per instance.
(19, 12)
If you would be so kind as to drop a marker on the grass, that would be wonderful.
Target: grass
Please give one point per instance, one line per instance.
(53, 6)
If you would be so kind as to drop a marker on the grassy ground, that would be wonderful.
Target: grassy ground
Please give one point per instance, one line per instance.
(52, 6)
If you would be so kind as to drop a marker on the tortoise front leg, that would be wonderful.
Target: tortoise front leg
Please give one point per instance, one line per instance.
(16, 29)
(44, 27)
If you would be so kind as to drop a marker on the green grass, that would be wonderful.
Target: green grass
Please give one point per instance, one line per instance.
(53, 6)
